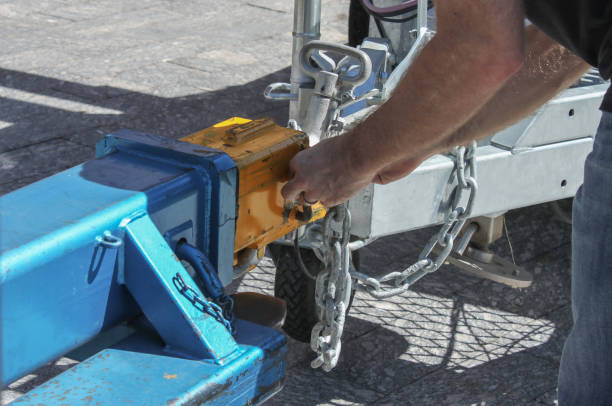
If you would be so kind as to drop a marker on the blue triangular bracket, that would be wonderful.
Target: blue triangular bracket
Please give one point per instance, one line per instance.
(151, 269)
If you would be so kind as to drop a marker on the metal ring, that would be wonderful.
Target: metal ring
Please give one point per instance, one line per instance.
(279, 92)
(303, 197)
(362, 57)
(108, 240)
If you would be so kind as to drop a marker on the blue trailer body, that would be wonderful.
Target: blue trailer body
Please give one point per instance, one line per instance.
(93, 246)
(138, 372)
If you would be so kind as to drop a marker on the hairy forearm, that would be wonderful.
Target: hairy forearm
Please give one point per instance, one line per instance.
(455, 75)
(548, 68)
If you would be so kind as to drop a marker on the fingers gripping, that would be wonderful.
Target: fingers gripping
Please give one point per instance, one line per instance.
(296, 184)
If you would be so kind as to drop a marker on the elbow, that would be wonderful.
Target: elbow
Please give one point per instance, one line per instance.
(505, 64)
(511, 64)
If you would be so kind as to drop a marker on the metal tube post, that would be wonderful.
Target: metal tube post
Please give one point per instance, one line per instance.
(422, 6)
(306, 27)
(423, 37)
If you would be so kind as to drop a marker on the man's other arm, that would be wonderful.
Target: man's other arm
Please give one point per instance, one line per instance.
(477, 47)
(548, 68)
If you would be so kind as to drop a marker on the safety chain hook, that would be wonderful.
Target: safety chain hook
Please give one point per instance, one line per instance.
(334, 283)
(208, 281)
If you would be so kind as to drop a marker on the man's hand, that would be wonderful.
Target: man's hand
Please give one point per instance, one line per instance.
(477, 47)
(399, 169)
(326, 173)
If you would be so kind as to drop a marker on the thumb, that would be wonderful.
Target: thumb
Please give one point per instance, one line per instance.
(292, 190)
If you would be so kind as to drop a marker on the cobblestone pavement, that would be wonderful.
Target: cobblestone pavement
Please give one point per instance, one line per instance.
(72, 71)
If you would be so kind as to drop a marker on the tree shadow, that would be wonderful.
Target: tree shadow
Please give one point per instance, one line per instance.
(452, 339)
(445, 353)
(449, 330)
(54, 124)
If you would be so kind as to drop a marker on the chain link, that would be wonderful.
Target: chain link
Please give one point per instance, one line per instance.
(211, 308)
(333, 289)
(442, 242)
(226, 303)
(334, 283)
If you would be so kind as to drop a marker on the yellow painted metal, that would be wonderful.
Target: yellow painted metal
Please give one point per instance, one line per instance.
(262, 151)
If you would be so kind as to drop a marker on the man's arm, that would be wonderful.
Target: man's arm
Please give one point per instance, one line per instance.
(548, 68)
(477, 47)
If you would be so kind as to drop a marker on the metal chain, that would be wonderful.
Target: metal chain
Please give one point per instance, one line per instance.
(442, 242)
(334, 283)
(333, 289)
(210, 308)
(227, 305)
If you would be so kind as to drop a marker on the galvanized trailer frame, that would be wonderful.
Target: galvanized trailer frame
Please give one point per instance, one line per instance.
(539, 159)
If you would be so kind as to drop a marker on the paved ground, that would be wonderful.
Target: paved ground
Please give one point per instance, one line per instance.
(71, 71)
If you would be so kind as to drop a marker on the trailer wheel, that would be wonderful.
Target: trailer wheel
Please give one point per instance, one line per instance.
(298, 290)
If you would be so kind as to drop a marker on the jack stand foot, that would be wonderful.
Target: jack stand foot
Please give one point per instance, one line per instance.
(485, 264)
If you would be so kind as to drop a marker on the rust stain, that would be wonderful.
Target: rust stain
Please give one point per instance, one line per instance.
(170, 376)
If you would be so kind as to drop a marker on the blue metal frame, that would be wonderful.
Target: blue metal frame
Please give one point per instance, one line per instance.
(93, 246)
(137, 371)
(150, 266)
(216, 172)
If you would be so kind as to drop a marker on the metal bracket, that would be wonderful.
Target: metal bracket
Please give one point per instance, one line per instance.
(471, 253)
(150, 269)
(488, 229)
(485, 264)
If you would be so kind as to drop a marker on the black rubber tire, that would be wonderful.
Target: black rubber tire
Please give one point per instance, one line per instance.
(358, 23)
(297, 289)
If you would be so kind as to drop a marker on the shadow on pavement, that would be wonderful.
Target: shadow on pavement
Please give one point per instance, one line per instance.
(53, 124)
(451, 340)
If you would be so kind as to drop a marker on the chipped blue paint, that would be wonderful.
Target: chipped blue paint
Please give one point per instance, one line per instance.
(150, 266)
(61, 287)
(137, 371)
